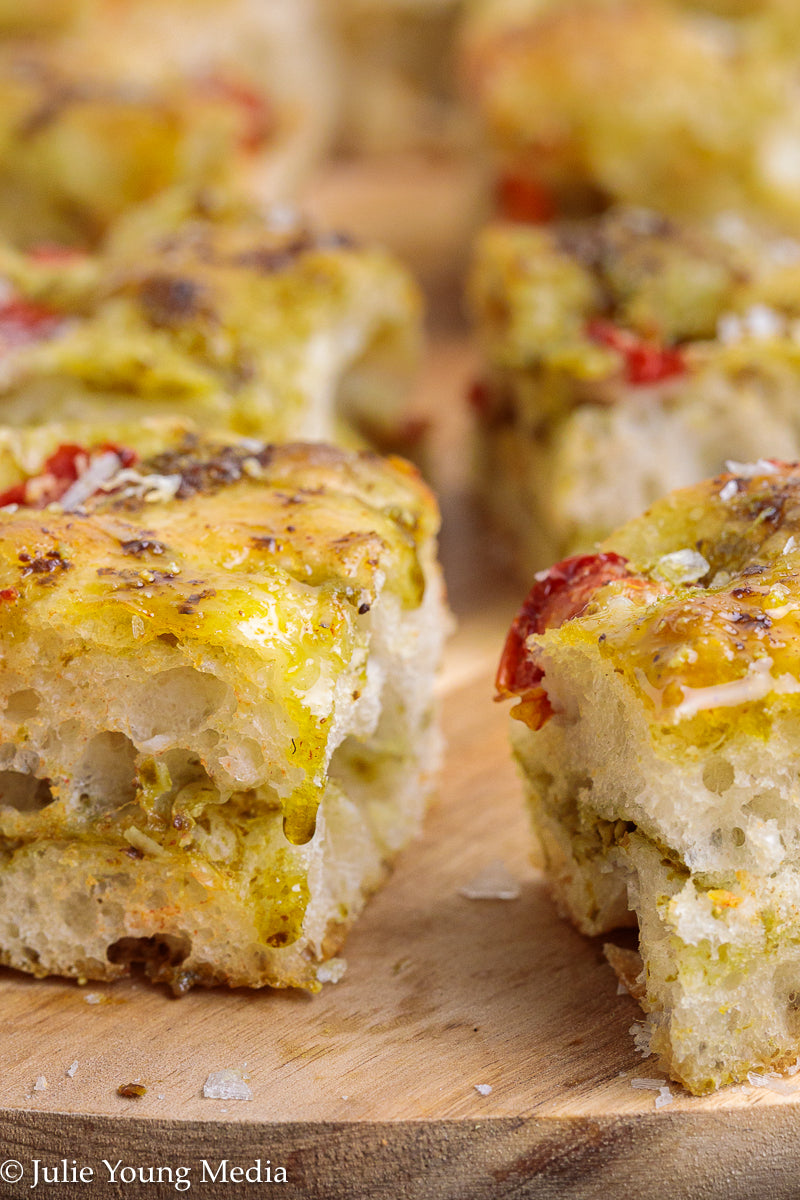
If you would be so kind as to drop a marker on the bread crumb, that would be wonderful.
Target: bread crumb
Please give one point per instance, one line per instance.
(132, 1091)
(140, 841)
(70, 1071)
(226, 1085)
(332, 970)
(40, 1084)
(628, 967)
(484, 1089)
(493, 882)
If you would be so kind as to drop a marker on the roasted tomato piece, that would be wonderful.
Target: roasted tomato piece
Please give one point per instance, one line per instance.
(558, 595)
(52, 252)
(645, 362)
(257, 115)
(64, 466)
(521, 198)
(23, 321)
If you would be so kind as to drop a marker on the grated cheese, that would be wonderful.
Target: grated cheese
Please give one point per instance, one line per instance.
(754, 685)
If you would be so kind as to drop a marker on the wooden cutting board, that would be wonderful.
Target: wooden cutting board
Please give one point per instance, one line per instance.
(370, 1089)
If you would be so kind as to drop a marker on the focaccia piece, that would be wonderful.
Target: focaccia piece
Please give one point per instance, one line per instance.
(204, 308)
(216, 725)
(658, 732)
(687, 107)
(107, 103)
(626, 355)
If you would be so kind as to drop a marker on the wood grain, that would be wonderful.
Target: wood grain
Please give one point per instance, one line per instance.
(369, 1090)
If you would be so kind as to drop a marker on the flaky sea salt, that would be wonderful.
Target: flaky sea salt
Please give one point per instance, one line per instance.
(332, 970)
(730, 490)
(226, 1085)
(664, 1097)
(71, 1069)
(641, 1038)
(750, 470)
(682, 566)
(484, 1089)
(770, 1083)
(653, 1085)
(40, 1084)
(763, 322)
(729, 329)
(493, 882)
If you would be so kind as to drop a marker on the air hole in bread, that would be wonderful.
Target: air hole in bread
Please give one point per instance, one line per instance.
(150, 952)
(24, 792)
(718, 775)
(174, 702)
(787, 980)
(107, 770)
(23, 705)
(185, 768)
(764, 805)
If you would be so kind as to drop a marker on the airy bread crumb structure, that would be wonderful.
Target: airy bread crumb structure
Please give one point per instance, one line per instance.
(658, 730)
(217, 724)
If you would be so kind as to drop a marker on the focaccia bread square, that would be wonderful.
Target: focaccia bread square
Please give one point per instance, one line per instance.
(626, 355)
(105, 104)
(216, 715)
(686, 106)
(658, 733)
(204, 308)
